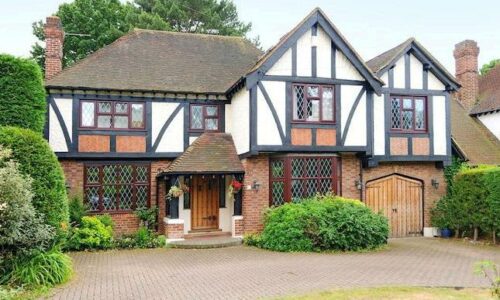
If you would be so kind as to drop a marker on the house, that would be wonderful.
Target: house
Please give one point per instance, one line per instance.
(156, 110)
(475, 110)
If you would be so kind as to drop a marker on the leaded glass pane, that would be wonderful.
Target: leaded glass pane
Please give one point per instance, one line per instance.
(313, 91)
(327, 102)
(325, 186)
(407, 119)
(104, 121)
(109, 197)
(104, 107)
(419, 114)
(92, 175)
(126, 197)
(92, 197)
(278, 193)
(142, 174)
(297, 190)
(211, 124)
(278, 169)
(313, 110)
(395, 113)
(297, 167)
(196, 117)
(121, 122)
(142, 196)
(298, 101)
(311, 167)
(126, 173)
(88, 114)
(310, 187)
(211, 111)
(137, 116)
(325, 168)
(109, 174)
(407, 104)
(121, 108)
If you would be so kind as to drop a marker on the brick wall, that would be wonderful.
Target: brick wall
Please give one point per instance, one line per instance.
(350, 173)
(466, 71)
(255, 202)
(54, 39)
(174, 231)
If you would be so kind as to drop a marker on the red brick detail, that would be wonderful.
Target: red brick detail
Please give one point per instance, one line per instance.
(73, 172)
(54, 40)
(301, 136)
(399, 146)
(174, 231)
(93, 143)
(421, 146)
(239, 227)
(159, 200)
(125, 223)
(255, 202)
(130, 144)
(326, 137)
(350, 172)
(466, 65)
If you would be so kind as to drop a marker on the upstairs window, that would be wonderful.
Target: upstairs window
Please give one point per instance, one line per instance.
(313, 103)
(111, 115)
(204, 117)
(408, 114)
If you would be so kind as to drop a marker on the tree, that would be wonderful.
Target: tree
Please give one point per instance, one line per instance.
(96, 23)
(489, 66)
(198, 16)
(22, 96)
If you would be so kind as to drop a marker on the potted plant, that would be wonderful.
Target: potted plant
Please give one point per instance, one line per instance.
(441, 216)
(235, 186)
(175, 192)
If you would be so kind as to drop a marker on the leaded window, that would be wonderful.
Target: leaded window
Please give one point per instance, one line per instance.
(408, 114)
(116, 187)
(112, 115)
(295, 178)
(204, 117)
(313, 103)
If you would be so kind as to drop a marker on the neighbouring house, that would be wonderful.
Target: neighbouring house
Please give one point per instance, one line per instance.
(475, 109)
(158, 109)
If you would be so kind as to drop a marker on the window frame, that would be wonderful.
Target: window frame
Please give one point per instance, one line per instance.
(288, 176)
(112, 114)
(117, 184)
(320, 98)
(413, 129)
(205, 116)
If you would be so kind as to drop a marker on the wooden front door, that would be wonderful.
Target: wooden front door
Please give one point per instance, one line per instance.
(205, 203)
(400, 200)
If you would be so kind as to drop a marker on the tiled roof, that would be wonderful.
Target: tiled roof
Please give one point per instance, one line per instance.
(211, 153)
(472, 137)
(383, 60)
(149, 60)
(489, 92)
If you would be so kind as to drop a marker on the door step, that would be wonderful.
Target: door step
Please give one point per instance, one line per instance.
(206, 234)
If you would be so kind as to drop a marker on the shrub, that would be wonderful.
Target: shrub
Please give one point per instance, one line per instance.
(36, 159)
(22, 100)
(92, 234)
(143, 238)
(42, 269)
(147, 217)
(251, 239)
(77, 210)
(323, 223)
(21, 228)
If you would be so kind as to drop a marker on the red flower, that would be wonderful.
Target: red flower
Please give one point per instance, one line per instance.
(236, 184)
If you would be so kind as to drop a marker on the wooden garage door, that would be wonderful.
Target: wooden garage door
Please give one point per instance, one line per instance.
(400, 200)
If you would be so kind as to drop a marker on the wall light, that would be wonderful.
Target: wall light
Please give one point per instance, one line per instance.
(358, 184)
(435, 183)
(256, 185)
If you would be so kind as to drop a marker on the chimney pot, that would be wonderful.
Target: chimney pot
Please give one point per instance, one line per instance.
(54, 40)
(466, 71)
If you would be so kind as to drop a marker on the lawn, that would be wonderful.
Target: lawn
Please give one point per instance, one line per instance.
(393, 293)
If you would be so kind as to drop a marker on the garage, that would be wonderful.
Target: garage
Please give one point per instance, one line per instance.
(400, 199)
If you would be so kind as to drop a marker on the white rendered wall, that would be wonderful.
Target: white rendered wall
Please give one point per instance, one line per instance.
(238, 121)
(345, 69)
(416, 73)
(378, 125)
(226, 213)
(304, 54)
(356, 136)
(267, 131)
(323, 54)
(276, 90)
(492, 122)
(65, 106)
(399, 73)
(160, 113)
(348, 97)
(283, 66)
(439, 126)
(434, 83)
(56, 136)
(385, 78)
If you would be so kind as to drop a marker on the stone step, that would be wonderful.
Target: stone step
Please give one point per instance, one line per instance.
(206, 234)
(206, 243)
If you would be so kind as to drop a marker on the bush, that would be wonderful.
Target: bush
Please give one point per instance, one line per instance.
(93, 233)
(323, 223)
(22, 100)
(143, 238)
(21, 228)
(77, 210)
(37, 160)
(42, 269)
(251, 239)
(147, 217)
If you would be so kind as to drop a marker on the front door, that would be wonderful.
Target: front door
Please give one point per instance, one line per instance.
(205, 203)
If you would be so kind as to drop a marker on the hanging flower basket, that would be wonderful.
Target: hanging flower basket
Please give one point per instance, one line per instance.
(184, 188)
(175, 192)
(235, 186)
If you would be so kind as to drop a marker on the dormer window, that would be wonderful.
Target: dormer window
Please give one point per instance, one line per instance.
(313, 103)
(204, 117)
(408, 114)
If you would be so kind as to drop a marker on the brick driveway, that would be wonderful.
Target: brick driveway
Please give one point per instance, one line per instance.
(248, 273)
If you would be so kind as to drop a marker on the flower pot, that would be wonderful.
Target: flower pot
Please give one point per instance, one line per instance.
(446, 232)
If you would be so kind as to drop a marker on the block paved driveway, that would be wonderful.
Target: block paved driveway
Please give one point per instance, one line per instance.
(249, 273)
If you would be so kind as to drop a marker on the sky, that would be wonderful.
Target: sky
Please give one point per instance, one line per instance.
(371, 26)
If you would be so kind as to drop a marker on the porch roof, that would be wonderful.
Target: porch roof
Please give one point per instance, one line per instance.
(211, 153)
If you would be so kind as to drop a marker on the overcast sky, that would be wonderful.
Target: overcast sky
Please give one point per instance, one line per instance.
(370, 26)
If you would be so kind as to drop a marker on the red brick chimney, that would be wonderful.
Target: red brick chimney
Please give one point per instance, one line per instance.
(466, 72)
(54, 39)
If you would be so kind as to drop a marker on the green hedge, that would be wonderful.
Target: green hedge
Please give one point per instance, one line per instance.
(37, 160)
(22, 94)
(323, 223)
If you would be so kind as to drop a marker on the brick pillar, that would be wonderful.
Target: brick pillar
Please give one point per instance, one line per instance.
(466, 71)
(255, 201)
(174, 229)
(238, 226)
(54, 40)
(350, 173)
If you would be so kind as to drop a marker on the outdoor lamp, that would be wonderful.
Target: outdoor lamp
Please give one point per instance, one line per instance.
(435, 183)
(255, 185)
(358, 184)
